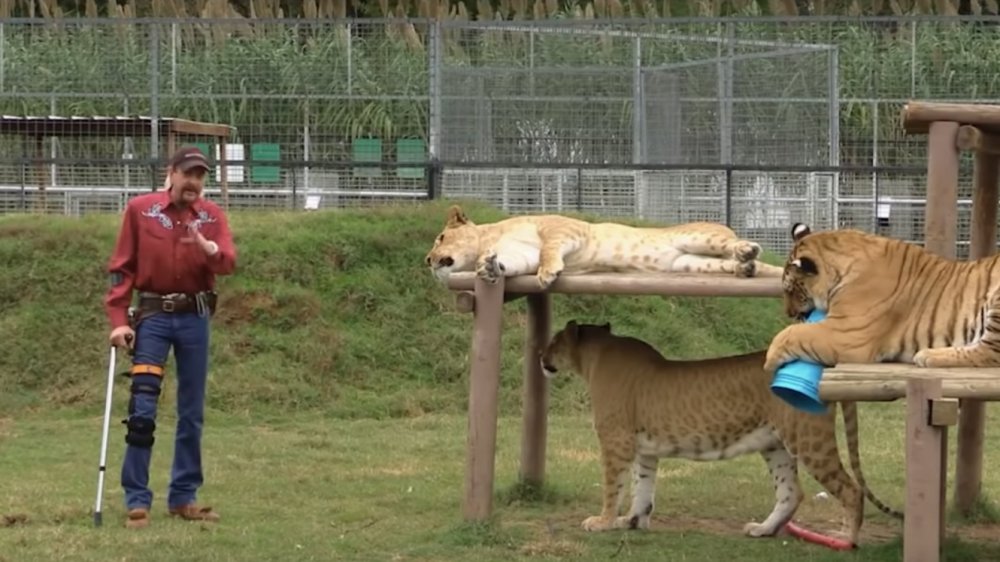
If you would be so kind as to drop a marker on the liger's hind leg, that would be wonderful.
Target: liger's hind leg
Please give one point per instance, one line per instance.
(735, 255)
(689, 263)
(984, 353)
(826, 468)
(787, 493)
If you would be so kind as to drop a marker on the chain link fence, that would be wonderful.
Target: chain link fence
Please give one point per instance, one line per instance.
(751, 122)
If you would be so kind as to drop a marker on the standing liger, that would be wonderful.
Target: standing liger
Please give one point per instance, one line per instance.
(646, 407)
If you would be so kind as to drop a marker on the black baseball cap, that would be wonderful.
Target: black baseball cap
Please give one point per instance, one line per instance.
(187, 158)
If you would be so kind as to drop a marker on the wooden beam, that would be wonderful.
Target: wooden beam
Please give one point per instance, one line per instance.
(926, 466)
(903, 371)
(484, 388)
(665, 284)
(188, 127)
(535, 390)
(874, 382)
(944, 412)
(465, 301)
(972, 418)
(887, 391)
(973, 139)
(917, 116)
(941, 209)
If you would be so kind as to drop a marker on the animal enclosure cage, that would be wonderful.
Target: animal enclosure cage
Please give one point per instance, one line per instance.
(36, 182)
(640, 120)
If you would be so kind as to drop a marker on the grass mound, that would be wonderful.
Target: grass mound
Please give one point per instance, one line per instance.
(332, 312)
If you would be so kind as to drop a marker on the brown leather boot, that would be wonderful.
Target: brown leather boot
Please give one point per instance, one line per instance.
(138, 518)
(194, 512)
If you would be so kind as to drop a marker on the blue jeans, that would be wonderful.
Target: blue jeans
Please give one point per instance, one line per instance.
(188, 333)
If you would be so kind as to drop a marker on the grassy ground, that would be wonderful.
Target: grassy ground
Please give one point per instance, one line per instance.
(332, 312)
(311, 488)
(336, 426)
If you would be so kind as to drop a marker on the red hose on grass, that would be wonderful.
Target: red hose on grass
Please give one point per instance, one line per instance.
(818, 538)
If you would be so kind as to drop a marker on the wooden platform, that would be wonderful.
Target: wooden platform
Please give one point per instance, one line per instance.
(931, 394)
(663, 284)
(932, 405)
(887, 381)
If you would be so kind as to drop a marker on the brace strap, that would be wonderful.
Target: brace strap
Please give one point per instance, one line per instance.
(143, 369)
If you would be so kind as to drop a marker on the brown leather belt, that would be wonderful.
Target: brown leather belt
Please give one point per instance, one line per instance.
(177, 302)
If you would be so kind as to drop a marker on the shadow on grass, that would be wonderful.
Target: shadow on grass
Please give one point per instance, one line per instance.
(983, 512)
(489, 533)
(525, 493)
(954, 550)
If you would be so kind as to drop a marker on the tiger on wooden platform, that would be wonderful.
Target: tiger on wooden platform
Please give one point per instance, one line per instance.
(886, 301)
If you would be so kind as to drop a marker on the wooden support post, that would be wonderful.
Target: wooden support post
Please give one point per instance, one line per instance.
(172, 142)
(972, 139)
(941, 212)
(926, 467)
(535, 389)
(484, 386)
(972, 420)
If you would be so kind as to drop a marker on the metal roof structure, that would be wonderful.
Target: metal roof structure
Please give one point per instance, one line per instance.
(54, 125)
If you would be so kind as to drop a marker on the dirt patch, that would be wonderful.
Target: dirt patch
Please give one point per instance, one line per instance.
(241, 307)
(552, 548)
(872, 532)
(579, 455)
(985, 532)
(13, 519)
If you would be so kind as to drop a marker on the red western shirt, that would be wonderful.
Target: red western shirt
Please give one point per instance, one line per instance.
(149, 254)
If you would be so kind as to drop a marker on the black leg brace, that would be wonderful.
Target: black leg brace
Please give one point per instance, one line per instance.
(140, 429)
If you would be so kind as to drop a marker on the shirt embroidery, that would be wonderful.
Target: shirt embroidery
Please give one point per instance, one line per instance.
(156, 212)
(204, 218)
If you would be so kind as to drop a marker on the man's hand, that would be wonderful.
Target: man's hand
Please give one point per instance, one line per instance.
(122, 336)
(195, 236)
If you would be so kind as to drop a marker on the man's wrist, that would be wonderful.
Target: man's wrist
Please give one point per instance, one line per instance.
(210, 247)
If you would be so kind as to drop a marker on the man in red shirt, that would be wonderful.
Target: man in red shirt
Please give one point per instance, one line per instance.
(172, 244)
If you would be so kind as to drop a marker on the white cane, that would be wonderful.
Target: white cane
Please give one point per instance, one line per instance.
(104, 434)
(104, 437)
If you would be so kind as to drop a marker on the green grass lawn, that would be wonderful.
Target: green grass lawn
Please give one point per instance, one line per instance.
(337, 397)
(310, 488)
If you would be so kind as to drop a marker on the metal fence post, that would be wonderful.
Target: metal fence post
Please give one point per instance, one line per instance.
(638, 116)
(434, 89)
(725, 95)
(154, 101)
(579, 190)
(729, 196)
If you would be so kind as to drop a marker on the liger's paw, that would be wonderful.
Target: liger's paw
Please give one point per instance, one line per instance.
(746, 269)
(597, 523)
(632, 522)
(490, 269)
(745, 250)
(546, 277)
(757, 530)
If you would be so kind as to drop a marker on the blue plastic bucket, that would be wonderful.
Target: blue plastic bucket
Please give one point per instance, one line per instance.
(797, 382)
